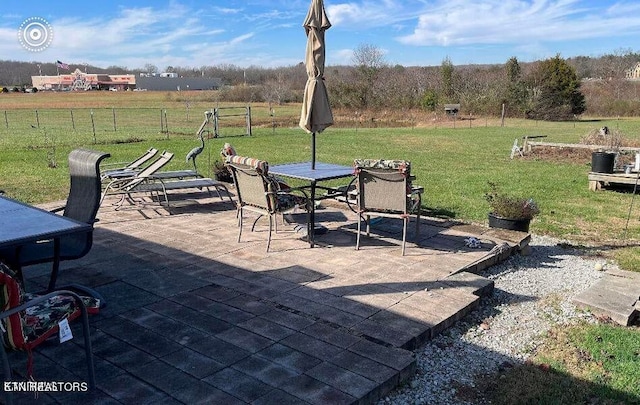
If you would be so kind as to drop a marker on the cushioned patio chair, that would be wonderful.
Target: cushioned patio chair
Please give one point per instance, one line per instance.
(258, 192)
(28, 320)
(384, 189)
(82, 205)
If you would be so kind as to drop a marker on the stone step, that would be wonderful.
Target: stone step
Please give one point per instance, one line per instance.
(616, 296)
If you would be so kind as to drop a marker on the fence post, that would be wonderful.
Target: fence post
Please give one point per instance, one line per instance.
(93, 126)
(37, 119)
(166, 123)
(272, 112)
(216, 127)
(249, 120)
(73, 122)
(161, 123)
(6, 120)
(113, 110)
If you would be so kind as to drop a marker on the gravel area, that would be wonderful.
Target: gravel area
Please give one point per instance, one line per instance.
(532, 293)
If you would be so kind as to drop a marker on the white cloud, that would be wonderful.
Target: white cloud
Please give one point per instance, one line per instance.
(495, 22)
(341, 57)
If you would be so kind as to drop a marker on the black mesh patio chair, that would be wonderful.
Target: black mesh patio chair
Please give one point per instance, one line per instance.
(82, 205)
(258, 192)
(384, 189)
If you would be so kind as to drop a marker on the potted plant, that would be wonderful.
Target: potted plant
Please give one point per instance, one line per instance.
(510, 212)
(221, 172)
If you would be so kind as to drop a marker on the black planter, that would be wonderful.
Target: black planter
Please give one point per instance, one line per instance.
(512, 224)
(602, 162)
(223, 176)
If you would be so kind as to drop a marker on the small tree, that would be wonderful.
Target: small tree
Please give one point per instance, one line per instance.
(369, 62)
(429, 100)
(516, 90)
(446, 71)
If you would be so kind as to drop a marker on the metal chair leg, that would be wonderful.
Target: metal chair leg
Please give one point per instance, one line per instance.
(405, 221)
(271, 219)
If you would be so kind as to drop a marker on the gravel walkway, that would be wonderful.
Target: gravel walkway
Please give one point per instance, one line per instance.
(531, 294)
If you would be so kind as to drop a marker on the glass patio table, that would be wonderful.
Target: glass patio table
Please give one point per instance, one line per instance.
(321, 172)
(22, 224)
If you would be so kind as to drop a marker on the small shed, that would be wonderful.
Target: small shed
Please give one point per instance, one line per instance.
(451, 109)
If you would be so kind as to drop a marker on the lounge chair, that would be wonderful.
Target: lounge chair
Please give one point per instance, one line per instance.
(258, 192)
(134, 167)
(110, 172)
(149, 181)
(384, 189)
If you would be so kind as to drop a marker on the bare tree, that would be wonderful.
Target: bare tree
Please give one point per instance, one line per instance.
(277, 90)
(150, 68)
(369, 62)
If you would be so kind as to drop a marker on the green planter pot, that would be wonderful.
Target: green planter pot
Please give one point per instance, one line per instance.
(512, 224)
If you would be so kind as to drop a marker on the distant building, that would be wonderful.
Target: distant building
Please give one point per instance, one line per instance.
(634, 72)
(79, 80)
(173, 83)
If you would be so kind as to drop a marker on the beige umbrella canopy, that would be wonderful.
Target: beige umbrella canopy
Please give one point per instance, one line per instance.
(316, 112)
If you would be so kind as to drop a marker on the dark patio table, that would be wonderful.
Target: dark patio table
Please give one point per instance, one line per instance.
(21, 224)
(322, 172)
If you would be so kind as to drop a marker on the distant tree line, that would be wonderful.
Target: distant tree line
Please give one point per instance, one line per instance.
(551, 89)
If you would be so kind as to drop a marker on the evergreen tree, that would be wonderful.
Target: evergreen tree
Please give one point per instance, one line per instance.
(516, 89)
(446, 71)
(556, 89)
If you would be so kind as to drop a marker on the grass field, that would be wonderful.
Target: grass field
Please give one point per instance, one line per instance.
(453, 160)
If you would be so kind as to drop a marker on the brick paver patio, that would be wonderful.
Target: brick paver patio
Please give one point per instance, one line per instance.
(193, 316)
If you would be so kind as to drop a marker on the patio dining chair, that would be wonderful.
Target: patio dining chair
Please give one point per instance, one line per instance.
(28, 320)
(258, 192)
(384, 189)
(82, 205)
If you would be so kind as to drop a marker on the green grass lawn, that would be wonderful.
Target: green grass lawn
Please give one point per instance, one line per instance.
(454, 166)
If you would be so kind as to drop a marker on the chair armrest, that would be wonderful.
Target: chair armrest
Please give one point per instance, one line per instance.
(351, 195)
(43, 298)
(294, 191)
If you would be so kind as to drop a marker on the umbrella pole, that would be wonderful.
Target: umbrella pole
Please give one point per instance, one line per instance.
(313, 151)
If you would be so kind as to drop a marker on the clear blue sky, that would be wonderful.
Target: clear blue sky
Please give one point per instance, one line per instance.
(269, 33)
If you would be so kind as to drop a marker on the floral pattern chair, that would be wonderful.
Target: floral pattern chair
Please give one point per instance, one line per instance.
(27, 320)
(262, 193)
(384, 188)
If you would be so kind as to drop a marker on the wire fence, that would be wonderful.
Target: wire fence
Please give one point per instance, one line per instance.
(83, 126)
(42, 127)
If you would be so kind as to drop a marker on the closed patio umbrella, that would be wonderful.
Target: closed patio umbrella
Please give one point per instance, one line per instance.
(316, 112)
